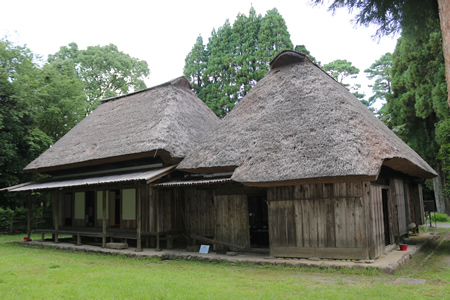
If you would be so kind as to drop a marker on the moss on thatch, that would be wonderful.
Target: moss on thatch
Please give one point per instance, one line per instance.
(166, 120)
(298, 123)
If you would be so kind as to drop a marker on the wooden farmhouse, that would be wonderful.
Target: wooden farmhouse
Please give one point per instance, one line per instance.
(313, 172)
(300, 168)
(101, 170)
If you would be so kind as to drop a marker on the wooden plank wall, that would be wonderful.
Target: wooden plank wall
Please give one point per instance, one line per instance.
(231, 216)
(417, 199)
(375, 222)
(198, 216)
(148, 210)
(399, 209)
(322, 220)
(169, 209)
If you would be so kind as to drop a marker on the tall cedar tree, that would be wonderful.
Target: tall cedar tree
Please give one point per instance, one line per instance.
(237, 57)
(412, 17)
(195, 66)
(417, 109)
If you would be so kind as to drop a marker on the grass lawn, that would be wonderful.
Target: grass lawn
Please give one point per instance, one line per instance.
(41, 273)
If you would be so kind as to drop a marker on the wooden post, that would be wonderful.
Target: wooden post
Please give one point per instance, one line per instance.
(158, 248)
(56, 215)
(29, 205)
(139, 219)
(104, 219)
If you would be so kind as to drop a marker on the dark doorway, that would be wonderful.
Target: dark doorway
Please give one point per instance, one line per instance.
(68, 209)
(90, 209)
(386, 214)
(258, 221)
(115, 213)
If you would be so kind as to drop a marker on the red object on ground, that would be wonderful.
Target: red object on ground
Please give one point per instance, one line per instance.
(403, 247)
(26, 239)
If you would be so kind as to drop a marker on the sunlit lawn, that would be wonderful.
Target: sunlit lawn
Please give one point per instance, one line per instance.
(41, 273)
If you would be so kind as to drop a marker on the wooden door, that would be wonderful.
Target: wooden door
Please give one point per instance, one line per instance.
(231, 215)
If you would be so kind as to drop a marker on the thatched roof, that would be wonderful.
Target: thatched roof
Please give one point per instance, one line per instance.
(167, 121)
(300, 125)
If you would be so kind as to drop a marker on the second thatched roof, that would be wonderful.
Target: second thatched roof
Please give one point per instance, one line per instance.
(300, 125)
(167, 121)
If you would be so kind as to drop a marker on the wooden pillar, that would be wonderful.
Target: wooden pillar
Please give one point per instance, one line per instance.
(104, 219)
(30, 208)
(156, 198)
(56, 215)
(139, 219)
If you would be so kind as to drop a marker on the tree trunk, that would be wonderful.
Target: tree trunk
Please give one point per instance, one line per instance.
(444, 16)
(442, 205)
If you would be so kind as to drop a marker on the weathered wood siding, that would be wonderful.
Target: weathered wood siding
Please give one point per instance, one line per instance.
(399, 208)
(231, 216)
(198, 216)
(417, 198)
(148, 209)
(169, 208)
(318, 220)
(375, 228)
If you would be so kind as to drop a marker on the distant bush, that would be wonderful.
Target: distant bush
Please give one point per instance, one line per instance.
(437, 217)
(16, 220)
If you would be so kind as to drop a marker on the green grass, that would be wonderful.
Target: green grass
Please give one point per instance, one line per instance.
(41, 273)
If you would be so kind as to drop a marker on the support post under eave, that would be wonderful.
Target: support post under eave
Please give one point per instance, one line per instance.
(104, 219)
(139, 219)
(30, 208)
(56, 215)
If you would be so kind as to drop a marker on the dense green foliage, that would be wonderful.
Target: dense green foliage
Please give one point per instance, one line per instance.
(16, 220)
(437, 217)
(235, 58)
(412, 17)
(38, 105)
(40, 102)
(104, 70)
(417, 108)
(419, 97)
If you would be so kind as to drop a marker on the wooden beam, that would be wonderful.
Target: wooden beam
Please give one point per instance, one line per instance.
(201, 238)
(158, 248)
(56, 215)
(139, 219)
(105, 192)
(29, 206)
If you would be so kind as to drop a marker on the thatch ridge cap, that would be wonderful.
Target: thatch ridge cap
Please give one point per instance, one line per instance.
(180, 81)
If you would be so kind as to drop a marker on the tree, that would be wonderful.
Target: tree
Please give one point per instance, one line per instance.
(246, 65)
(218, 86)
(37, 106)
(104, 70)
(340, 69)
(302, 49)
(236, 57)
(380, 71)
(417, 108)
(412, 17)
(273, 37)
(195, 66)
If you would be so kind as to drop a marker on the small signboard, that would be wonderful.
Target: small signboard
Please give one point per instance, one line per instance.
(429, 205)
(204, 249)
